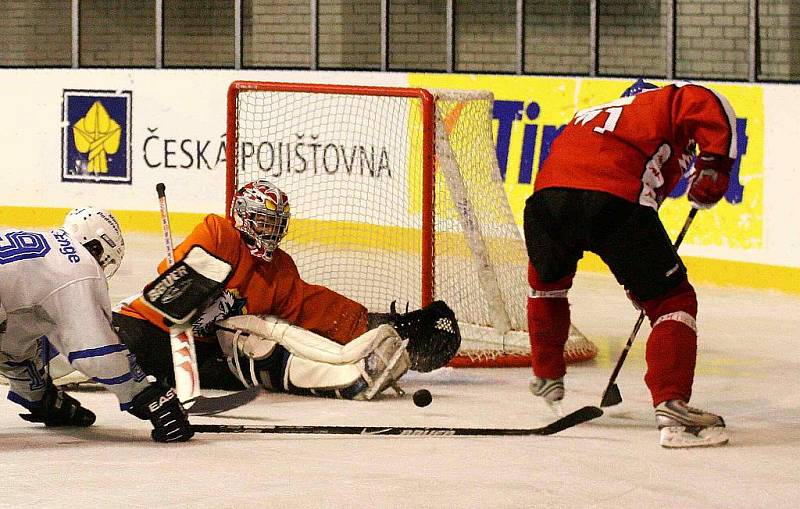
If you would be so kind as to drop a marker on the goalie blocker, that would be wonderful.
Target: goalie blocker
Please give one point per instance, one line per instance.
(187, 286)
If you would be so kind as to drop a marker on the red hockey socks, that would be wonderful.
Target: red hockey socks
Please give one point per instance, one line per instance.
(672, 345)
(548, 324)
(671, 353)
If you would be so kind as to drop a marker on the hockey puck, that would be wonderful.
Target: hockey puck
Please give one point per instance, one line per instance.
(422, 397)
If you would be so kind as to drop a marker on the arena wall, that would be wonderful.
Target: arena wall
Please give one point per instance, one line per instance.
(171, 126)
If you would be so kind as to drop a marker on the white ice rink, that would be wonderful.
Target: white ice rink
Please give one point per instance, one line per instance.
(748, 370)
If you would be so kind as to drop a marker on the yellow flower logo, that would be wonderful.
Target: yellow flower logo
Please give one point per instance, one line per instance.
(97, 135)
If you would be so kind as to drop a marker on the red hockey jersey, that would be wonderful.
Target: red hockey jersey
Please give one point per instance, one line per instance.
(638, 147)
(258, 287)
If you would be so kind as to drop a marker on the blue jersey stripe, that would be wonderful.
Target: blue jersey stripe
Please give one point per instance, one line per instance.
(96, 352)
(114, 381)
(16, 398)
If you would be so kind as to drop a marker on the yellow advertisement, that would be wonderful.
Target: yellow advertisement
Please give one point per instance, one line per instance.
(529, 112)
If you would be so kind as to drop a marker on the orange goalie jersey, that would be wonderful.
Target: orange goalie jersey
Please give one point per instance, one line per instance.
(610, 148)
(258, 287)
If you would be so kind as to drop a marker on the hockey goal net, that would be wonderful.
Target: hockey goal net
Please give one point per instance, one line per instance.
(396, 196)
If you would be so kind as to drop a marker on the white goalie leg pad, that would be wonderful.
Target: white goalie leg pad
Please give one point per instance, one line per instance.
(251, 345)
(307, 344)
(236, 344)
(386, 363)
(382, 360)
(378, 356)
(308, 374)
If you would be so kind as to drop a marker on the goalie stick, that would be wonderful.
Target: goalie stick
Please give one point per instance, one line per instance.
(579, 416)
(184, 357)
(612, 396)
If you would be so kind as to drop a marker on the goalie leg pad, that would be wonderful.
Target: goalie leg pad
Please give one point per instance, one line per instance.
(187, 286)
(301, 342)
(248, 356)
(315, 365)
(384, 363)
(250, 345)
(307, 374)
(388, 361)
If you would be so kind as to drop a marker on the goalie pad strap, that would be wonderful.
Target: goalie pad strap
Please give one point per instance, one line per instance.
(252, 345)
(186, 286)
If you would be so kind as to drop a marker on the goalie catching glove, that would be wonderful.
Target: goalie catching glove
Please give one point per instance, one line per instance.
(432, 333)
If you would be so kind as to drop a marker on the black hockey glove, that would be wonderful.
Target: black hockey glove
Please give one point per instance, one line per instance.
(60, 409)
(432, 333)
(161, 405)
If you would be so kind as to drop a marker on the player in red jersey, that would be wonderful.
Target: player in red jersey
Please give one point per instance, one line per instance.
(599, 190)
(269, 326)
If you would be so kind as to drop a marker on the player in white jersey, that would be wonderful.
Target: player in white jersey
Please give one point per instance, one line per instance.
(53, 289)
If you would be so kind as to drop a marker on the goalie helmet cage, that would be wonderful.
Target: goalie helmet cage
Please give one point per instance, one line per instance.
(396, 195)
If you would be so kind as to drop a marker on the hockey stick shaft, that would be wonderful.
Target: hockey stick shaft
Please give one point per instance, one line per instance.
(166, 230)
(611, 395)
(184, 356)
(573, 419)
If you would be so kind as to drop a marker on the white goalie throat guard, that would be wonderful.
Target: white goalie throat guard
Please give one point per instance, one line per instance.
(98, 231)
(260, 211)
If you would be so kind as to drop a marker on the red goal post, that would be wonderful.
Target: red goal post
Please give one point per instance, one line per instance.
(396, 195)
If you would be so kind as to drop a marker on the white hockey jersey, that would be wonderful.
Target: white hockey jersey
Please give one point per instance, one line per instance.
(51, 286)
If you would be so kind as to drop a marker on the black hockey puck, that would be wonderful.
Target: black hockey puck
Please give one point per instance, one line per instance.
(422, 397)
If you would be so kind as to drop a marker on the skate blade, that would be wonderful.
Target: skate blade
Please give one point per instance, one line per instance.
(554, 406)
(681, 437)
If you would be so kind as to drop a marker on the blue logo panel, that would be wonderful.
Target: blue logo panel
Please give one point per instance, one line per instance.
(96, 138)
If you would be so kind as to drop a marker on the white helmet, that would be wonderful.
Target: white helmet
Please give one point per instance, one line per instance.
(261, 212)
(98, 231)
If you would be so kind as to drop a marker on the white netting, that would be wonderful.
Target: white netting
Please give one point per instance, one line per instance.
(351, 165)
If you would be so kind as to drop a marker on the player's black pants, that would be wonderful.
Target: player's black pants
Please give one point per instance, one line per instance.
(561, 224)
(154, 354)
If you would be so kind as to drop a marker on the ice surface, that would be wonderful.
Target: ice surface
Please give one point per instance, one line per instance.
(748, 371)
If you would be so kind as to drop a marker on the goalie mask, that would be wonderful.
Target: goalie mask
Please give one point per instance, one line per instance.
(98, 231)
(260, 211)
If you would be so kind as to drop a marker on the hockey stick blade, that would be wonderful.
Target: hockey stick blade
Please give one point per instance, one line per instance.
(611, 396)
(202, 405)
(573, 419)
(579, 416)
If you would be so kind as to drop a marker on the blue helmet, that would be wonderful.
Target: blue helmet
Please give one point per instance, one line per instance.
(640, 86)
